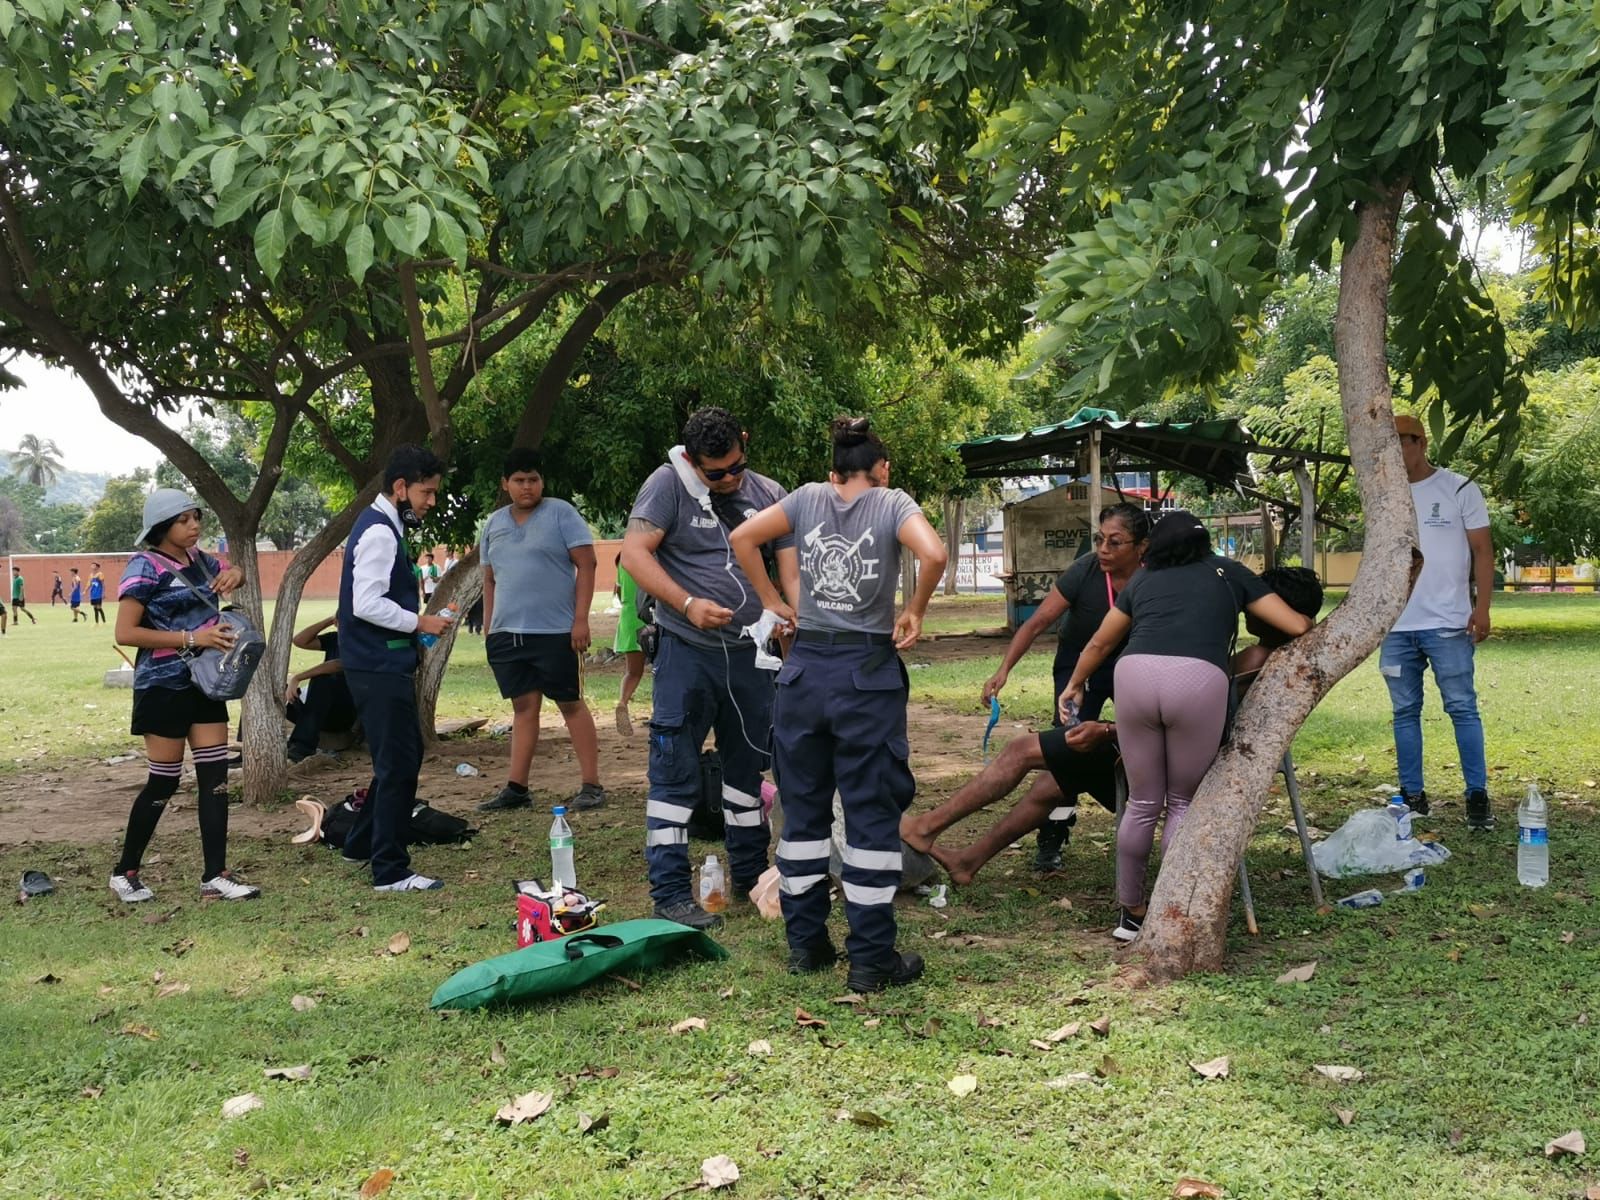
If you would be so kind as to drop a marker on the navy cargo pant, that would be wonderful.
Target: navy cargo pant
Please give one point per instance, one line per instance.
(839, 724)
(697, 689)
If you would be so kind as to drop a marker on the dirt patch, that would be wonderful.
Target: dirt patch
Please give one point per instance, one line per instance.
(87, 800)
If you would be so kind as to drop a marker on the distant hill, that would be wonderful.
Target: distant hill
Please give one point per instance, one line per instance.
(77, 487)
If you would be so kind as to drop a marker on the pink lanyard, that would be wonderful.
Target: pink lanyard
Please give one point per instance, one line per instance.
(1111, 597)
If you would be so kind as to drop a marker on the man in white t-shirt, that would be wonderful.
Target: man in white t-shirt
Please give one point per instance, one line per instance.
(1447, 616)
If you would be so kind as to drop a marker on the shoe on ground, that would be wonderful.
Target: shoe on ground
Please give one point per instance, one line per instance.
(1418, 803)
(411, 883)
(507, 797)
(1053, 839)
(894, 971)
(223, 886)
(1128, 927)
(687, 912)
(590, 795)
(818, 956)
(129, 890)
(1480, 815)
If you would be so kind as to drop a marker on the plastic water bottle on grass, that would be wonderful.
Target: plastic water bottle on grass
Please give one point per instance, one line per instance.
(1401, 812)
(562, 872)
(1533, 840)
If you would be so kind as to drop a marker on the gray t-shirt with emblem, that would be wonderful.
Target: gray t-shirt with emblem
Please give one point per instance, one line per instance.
(849, 555)
(695, 551)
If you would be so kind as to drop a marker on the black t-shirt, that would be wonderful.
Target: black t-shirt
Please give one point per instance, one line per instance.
(329, 642)
(1190, 611)
(1084, 587)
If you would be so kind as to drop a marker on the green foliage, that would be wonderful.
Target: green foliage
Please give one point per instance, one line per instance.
(38, 527)
(37, 460)
(114, 522)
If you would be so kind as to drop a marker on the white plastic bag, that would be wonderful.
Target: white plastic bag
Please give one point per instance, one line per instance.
(1367, 845)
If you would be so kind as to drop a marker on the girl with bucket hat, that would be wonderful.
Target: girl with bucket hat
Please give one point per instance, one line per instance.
(164, 614)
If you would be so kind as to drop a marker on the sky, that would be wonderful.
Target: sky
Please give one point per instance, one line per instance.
(56, 405)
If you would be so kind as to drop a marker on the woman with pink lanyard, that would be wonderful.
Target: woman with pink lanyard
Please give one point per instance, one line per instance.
(165, 612)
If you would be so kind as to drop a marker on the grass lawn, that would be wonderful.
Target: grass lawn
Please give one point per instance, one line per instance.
(1469, 1007)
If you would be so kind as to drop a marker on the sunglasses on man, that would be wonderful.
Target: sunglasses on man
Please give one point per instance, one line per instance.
(714, 474)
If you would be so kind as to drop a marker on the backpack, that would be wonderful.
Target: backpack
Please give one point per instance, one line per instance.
(429, 826)
(224, 674)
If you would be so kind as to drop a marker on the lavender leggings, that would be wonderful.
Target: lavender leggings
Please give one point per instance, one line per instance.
(1170, 714)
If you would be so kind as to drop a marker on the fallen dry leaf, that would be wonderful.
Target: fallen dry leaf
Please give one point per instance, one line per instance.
(377, 1183)
(688, 1023)
(1583, 1019)
(297, 1074)
(872, 1023)
(725, 994)
(171, 989)
(963, 1085)
(90, 1092)
(497, 1054)
(132, 1029)
(1069, 1030)
(868, 1120)
(1073, 1080)
(1592, 1193)
(1064, 903)
(1108, 1067)
(1568, 938)
(1195, 1187)
(718, 1172)
(588, 1124)
(1041, 1044)
(1345, 1115)
(849, 998)
(1217, 1068)
(399, 943)
(239, 1105)
(806, 1021)
(302, 1003)
(931, 1028)
(1102, 1027)
(48, 979)
(759, 1048)
(1340, 1074)
(1300, 974)
(526, 1107)
(1568, 1143)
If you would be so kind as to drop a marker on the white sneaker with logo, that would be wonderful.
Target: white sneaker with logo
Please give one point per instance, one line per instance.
(129, 890)
(225, 887)
(411, 883)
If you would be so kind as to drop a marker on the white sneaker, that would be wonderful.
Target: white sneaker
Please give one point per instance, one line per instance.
(129, 890)
(225, 887)
(411, 883)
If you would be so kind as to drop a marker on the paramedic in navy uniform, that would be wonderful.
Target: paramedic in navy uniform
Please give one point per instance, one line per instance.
(676, 548)
(378, 627)
(839, 722)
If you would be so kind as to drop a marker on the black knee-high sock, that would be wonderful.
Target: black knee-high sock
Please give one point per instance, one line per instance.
(148, 806)
(211, 775)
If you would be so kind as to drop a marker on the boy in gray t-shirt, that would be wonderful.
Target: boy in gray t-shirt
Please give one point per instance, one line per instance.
(849, 555)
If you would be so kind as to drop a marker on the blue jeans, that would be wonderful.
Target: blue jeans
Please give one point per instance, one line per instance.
(1402, 660)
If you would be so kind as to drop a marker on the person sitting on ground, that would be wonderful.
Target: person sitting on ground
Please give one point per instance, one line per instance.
(1179, 617)
(327, 706)
(626, 643)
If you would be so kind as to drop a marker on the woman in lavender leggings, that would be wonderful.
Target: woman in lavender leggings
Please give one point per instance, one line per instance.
(1180, 616)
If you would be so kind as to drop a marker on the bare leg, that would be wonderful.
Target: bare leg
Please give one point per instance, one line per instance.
(995, 782)
(1025, 816)
(630, 684)
(524, 735)
(585, 741)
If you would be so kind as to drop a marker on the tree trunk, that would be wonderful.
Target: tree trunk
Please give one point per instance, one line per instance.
(461, 587)
(1185, 929)
(954, 510)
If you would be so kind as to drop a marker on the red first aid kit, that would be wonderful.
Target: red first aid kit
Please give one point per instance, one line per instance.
(543, 914)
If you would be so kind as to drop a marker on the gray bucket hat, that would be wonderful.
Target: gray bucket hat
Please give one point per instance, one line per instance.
(162, 505)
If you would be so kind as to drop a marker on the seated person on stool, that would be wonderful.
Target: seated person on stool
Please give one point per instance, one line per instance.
(328, 706)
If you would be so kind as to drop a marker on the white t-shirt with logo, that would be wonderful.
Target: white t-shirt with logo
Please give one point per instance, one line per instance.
(849, 555)
(1447, 506)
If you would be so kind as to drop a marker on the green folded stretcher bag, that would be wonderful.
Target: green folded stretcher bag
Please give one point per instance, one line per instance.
(550, 968)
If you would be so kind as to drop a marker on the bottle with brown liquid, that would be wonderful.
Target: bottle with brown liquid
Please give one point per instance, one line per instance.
(713, 894)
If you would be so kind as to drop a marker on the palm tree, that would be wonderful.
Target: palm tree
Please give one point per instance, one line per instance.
(37, 461)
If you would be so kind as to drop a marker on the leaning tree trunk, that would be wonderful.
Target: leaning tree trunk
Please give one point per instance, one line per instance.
(1186, 925)
(461, 588)
(954, 510)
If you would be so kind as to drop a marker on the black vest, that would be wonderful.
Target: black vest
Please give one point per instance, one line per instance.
(364, 646)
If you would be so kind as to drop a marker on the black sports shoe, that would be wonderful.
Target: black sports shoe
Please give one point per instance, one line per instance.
(507, 797)
(818, 956)
(687, 912)
(1480, 817)
(1053, 838)
(1128, 927)
(1417, 803)
(893, 971)
(590, 795)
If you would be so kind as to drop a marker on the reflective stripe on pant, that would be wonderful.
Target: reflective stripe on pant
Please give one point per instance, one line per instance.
(690, 698)
(840, 724)
(386, 702)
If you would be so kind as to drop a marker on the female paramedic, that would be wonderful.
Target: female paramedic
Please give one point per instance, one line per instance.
(839, 720)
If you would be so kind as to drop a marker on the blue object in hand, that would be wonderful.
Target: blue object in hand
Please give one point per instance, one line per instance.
(994, 719)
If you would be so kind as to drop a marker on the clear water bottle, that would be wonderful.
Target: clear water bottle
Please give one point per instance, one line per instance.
(1401, 812)
(1533, 840)
(713, 891)
(428, 640)
(562, 872)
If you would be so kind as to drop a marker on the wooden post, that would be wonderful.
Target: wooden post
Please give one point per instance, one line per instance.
(1269, 544)
(1308, 517)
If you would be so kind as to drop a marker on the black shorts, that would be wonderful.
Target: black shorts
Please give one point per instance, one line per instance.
(1076, 772)
(172, 712)
(535, 662)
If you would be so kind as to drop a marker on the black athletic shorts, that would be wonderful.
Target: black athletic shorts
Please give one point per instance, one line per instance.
(1075, 772)
(172, 712)
(535, 662)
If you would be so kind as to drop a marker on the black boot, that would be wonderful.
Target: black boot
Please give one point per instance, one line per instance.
(893, 971)
(818, 956)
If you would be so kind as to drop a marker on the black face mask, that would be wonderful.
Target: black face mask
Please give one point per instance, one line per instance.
(408, 515)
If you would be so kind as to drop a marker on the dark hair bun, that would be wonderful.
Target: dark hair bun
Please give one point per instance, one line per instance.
(851, 431)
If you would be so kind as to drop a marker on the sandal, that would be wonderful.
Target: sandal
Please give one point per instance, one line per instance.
(314, 812)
